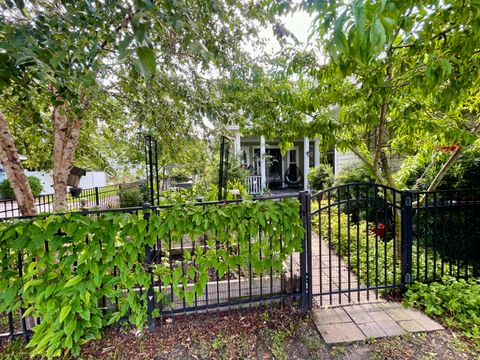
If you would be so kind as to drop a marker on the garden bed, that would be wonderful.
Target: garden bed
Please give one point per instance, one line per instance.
(260, 333)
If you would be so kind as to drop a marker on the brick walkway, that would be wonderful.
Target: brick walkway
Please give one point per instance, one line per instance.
(332, 283)
(359, 322)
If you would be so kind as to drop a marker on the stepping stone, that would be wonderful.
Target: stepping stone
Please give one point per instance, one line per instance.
(372, 329)
(370, 307)
(341, 333)
(330, 316)
(358, 315)
(391, 328)
(373, 320)
(427, 323)
(411, 326)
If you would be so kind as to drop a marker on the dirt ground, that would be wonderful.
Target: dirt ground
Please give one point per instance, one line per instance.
(262, 333)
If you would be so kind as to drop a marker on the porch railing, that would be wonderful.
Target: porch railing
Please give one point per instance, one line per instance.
(254, 184)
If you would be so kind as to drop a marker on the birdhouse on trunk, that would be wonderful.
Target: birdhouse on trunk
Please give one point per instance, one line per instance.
(75, 176)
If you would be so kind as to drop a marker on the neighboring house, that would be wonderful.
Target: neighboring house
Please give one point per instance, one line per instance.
(270, 169)
(90, 180)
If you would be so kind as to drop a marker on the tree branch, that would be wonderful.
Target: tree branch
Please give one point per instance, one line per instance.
(371, 167)
(443, 171)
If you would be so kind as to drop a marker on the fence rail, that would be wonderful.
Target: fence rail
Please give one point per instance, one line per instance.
(102, 197)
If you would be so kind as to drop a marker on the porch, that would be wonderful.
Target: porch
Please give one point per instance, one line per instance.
(271, 170)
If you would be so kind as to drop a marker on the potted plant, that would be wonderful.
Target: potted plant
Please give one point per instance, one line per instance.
(378, 230)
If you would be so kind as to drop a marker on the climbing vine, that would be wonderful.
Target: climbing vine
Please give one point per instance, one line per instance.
(81, 273)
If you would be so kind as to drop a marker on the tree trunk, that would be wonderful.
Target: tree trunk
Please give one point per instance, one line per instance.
(13, 167)
(66, 136)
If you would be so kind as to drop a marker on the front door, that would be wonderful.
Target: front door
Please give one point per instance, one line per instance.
(274, 168)
(273, 164)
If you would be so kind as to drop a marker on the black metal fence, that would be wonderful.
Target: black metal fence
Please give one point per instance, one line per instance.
(354, 245)
(102, 197)
(361, 241)
(364, 240)
(445, 234)
(237, 287)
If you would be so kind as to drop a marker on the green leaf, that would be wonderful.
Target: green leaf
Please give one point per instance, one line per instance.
(147, 59)
(28, 311)
(50, 289)
(64, 312)
(33, 282)
(74, 280)
(377, 35)
(358, 9)
(69, 328)
(189, 297)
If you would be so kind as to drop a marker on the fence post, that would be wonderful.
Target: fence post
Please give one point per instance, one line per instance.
(303, 255)
(407, 236)
(308, 218)
(97, 197)
(148, 267)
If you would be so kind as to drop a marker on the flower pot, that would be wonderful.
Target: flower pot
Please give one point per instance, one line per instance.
(75, 191)
(378, 230)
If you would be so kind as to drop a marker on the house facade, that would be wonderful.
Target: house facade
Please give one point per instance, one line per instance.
(270, 169)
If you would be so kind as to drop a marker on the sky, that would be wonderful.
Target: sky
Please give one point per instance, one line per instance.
(299, 24)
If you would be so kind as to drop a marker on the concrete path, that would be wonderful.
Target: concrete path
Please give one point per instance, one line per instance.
(359, 322)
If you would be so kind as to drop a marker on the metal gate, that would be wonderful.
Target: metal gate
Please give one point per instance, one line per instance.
(364, 240)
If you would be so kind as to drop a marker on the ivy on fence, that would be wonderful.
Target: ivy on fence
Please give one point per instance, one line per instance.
(71, 263)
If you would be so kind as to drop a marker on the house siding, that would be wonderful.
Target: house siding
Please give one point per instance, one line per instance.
(344, 159)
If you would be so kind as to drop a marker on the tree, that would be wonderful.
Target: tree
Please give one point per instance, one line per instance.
(404, 75)
(13, 167)
(69, 50)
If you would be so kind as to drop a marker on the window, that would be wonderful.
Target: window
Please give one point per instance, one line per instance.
(292, 156)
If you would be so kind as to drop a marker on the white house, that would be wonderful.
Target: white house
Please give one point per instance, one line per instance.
(90, 180)
(271, 169)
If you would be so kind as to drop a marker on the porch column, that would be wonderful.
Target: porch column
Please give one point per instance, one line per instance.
(236, 147)
(283, 171)
(263, 170)
(306, 162)
(316, 153)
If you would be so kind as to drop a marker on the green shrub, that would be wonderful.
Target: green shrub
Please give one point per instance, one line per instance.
(7, 192)
(355, 173)
(358, 173)
(132, 195)
(320, 177)
(457, 302)
(464, 174)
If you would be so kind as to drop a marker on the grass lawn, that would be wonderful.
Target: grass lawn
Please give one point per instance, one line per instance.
(268, 333)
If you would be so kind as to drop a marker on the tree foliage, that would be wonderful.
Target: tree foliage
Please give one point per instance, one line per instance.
(65, 60)
(388, 80)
